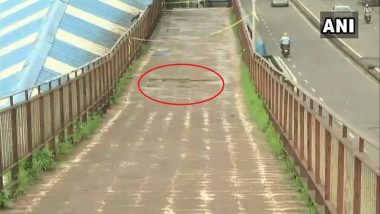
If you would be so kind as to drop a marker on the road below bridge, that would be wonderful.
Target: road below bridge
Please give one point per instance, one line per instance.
(322, 69)
(154, 158)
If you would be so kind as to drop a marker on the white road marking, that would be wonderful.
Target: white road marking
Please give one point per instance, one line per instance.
(257, 19)
(377, 69)
(351, 49)
(294, 79)
(312, 89)
(308, 10)
(306, 81)
(340, 123)
(299, 73)
(351, 135)
(321, 99)
(294, 66)
(288, 59)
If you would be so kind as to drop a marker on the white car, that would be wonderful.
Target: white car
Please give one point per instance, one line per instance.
(344, 11)
(341, 8)
(277, 3)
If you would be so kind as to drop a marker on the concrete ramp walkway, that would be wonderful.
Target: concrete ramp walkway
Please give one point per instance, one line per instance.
(154, 158)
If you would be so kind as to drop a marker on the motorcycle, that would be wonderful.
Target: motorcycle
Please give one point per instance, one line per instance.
(367, 17)
(285, 50)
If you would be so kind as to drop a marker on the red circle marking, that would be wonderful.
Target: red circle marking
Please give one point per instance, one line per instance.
(173, 65)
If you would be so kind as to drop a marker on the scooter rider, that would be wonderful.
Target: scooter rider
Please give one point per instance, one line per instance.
(285, 41)
(367, 9)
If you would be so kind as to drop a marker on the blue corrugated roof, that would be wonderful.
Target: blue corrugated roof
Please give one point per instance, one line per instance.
(20, 22)
(43, 39)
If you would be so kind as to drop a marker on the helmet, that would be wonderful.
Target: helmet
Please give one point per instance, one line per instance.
(366, 5)
(285, 34)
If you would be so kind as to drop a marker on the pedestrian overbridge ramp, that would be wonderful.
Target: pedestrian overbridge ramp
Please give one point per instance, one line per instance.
(149, 157)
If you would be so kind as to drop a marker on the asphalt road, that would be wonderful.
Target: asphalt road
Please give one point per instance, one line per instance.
(154, 158)
(320, 68)
(367, 45)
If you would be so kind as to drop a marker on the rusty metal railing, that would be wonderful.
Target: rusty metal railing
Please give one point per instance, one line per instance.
(346, 180)
(45, 116)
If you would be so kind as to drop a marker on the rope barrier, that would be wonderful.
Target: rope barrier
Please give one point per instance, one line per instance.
(197, 38)
(183, 2)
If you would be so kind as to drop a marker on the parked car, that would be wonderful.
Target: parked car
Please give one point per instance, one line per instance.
(280, 3)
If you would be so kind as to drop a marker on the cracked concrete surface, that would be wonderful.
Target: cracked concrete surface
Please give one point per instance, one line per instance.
(153, 158)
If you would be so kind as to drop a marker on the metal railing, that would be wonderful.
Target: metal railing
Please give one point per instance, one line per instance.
(46, 116)
(343, 176)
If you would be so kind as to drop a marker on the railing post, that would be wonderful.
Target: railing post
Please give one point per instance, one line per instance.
(296, 122)
(15, 168)
(61, 100)
(42, 116)
(290, 121)
(317, 137)
(341, 174)
(378, 195)
(29, 124)
(286, 111)
(276, 97)
(91, 84)
(328, 160)
(281, 105)
(85, 103)
(96, 87)
(271, 93)
(266, 85)
(302, 128)
(103, 82)
(78, 95)
(52, 121)
(70, 129)
(361, 144)
(357, 185)
(108, 80)
(309, 137)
